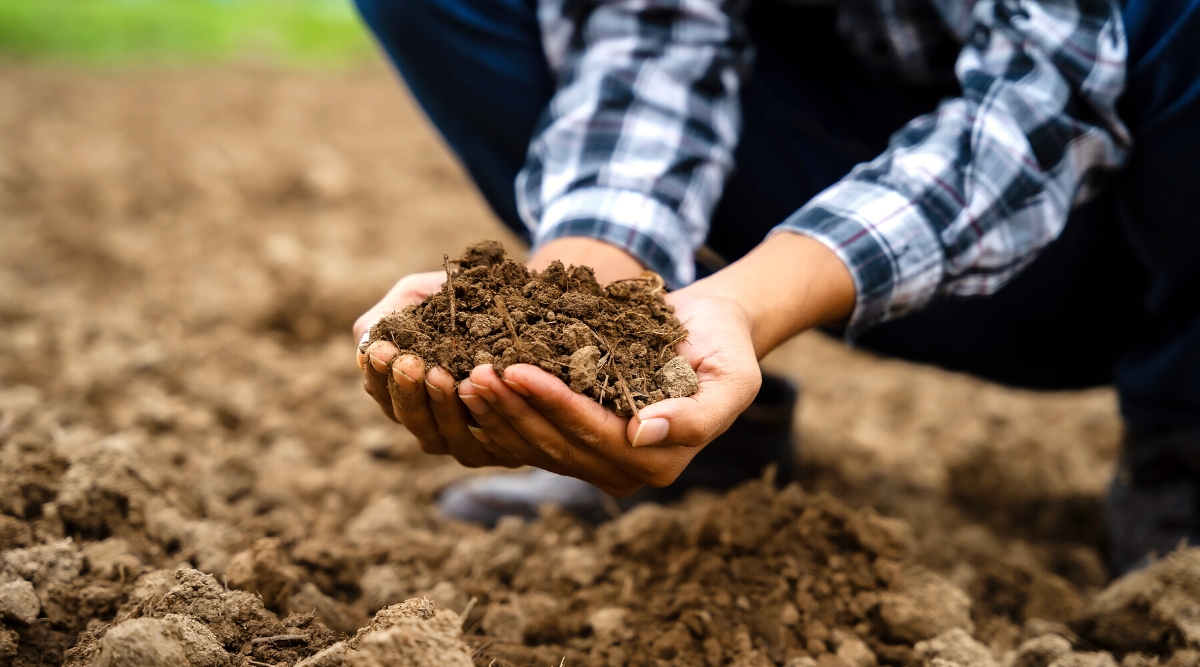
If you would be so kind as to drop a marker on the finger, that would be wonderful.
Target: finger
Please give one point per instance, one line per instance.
(406, 389)
(598, 428)
(498, 433)
(452, 418)
(379, 356)
(487, 424)
(514, 424)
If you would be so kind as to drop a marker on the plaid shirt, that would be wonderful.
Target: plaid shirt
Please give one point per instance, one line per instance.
(640, 135)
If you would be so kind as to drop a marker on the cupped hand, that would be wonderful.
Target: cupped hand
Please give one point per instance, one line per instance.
(426, 401)
(427, 404)
(534, 418)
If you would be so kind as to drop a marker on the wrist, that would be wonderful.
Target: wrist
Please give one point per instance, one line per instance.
(789, 283)
(609, 262)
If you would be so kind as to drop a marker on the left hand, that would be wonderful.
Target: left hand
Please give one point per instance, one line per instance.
(533, 417)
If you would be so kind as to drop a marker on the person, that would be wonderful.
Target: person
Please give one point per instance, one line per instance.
(1006, 188)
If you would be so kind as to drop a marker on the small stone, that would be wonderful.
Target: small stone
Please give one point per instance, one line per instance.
(18, 602)
(677, 379)
(585, 364)
(483, 357)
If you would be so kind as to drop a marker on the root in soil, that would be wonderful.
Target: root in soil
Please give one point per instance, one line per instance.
(615, 344)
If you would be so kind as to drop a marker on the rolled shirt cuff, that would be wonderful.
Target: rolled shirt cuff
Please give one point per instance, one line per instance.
(893, 254)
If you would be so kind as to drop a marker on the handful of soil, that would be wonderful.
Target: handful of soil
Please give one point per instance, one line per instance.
(615, 344)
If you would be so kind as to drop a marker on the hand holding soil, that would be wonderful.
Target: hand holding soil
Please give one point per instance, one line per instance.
(617, 347)
(534, 417)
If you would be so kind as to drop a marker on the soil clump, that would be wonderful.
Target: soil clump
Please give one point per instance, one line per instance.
(615, 344)
(202, 620)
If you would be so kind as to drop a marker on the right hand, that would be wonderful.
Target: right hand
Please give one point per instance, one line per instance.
(426, 401)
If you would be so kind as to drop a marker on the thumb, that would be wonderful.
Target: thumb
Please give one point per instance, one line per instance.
(696, 420)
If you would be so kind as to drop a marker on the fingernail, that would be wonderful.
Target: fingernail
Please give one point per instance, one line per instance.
(486, 392)
(475, 404)
(378, 364)
(403, 382)
(362, 358)
(362, 341)
(434, 393)
(479, 434)
(517, 387)
(651, 432)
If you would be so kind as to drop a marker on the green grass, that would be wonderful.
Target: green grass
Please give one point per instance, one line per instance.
(131, 32)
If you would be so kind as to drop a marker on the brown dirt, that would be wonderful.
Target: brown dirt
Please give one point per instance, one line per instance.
(493, 310)
(181, 257)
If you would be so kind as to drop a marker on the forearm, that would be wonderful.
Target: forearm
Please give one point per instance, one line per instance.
(788, 284)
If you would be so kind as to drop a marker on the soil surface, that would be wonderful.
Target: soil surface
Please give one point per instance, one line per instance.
(493, 310)
(191, 474)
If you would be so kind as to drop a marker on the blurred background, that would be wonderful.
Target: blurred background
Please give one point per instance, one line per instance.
(311, 33)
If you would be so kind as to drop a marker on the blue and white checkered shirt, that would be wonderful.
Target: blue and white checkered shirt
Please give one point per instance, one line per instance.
(641, 133)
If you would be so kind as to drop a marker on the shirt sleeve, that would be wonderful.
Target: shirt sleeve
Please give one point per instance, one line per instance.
(638, 139)
(966, 196)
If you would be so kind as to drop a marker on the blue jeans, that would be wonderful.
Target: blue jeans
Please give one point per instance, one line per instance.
(1115, 300)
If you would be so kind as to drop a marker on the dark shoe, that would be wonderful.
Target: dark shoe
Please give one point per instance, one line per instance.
(762, 435)
(487, 498)
(1153, 504)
